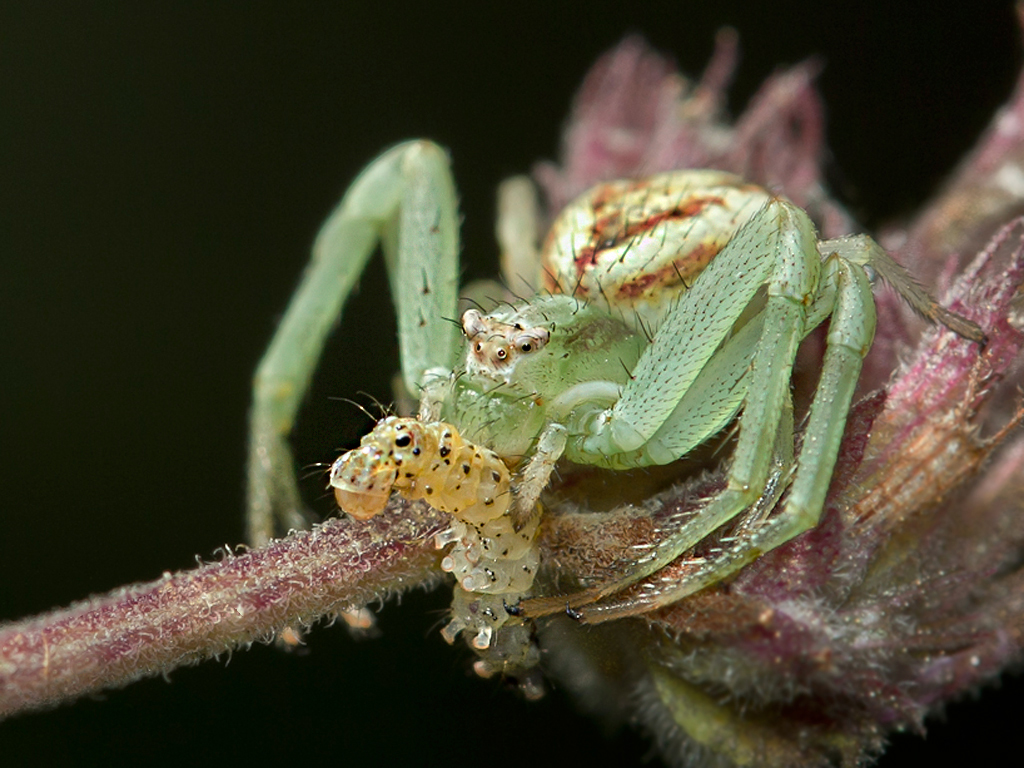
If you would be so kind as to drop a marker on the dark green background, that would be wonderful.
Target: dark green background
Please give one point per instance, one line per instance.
(163, 168)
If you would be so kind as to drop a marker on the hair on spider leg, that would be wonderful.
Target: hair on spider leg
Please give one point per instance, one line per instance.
(801, 424)
(681, 193)
(490, 423)
(507, 491)
(425, 289)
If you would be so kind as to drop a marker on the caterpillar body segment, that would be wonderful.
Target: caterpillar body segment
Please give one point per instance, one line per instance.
(492, 557)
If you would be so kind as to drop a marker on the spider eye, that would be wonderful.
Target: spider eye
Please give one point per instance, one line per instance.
(479, 346)
(531, 340)
(403, 440)
(501, 354)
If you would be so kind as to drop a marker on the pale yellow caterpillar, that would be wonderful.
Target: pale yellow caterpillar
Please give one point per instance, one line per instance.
(493, 562)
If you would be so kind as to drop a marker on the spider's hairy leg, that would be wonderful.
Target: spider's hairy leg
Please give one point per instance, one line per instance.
(863, 250)
(714, 398)
(850, 334)
(404, 200)
(518, 230)
(534, 477)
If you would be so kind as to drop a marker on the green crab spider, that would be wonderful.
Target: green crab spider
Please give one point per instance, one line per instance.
(664, 309)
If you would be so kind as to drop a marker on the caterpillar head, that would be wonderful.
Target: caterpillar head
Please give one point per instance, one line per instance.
(364, 477)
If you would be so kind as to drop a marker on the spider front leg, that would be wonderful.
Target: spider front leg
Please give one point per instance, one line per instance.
(405, 201)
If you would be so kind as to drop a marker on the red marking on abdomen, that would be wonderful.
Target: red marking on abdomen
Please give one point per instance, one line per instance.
(683, 270)
(609, 232)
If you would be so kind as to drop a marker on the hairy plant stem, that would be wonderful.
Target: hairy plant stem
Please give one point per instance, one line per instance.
(182, 618)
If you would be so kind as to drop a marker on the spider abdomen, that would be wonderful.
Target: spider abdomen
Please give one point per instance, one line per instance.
(633, 246)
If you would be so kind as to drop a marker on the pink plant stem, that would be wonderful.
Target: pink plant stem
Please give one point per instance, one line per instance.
(183, 618)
